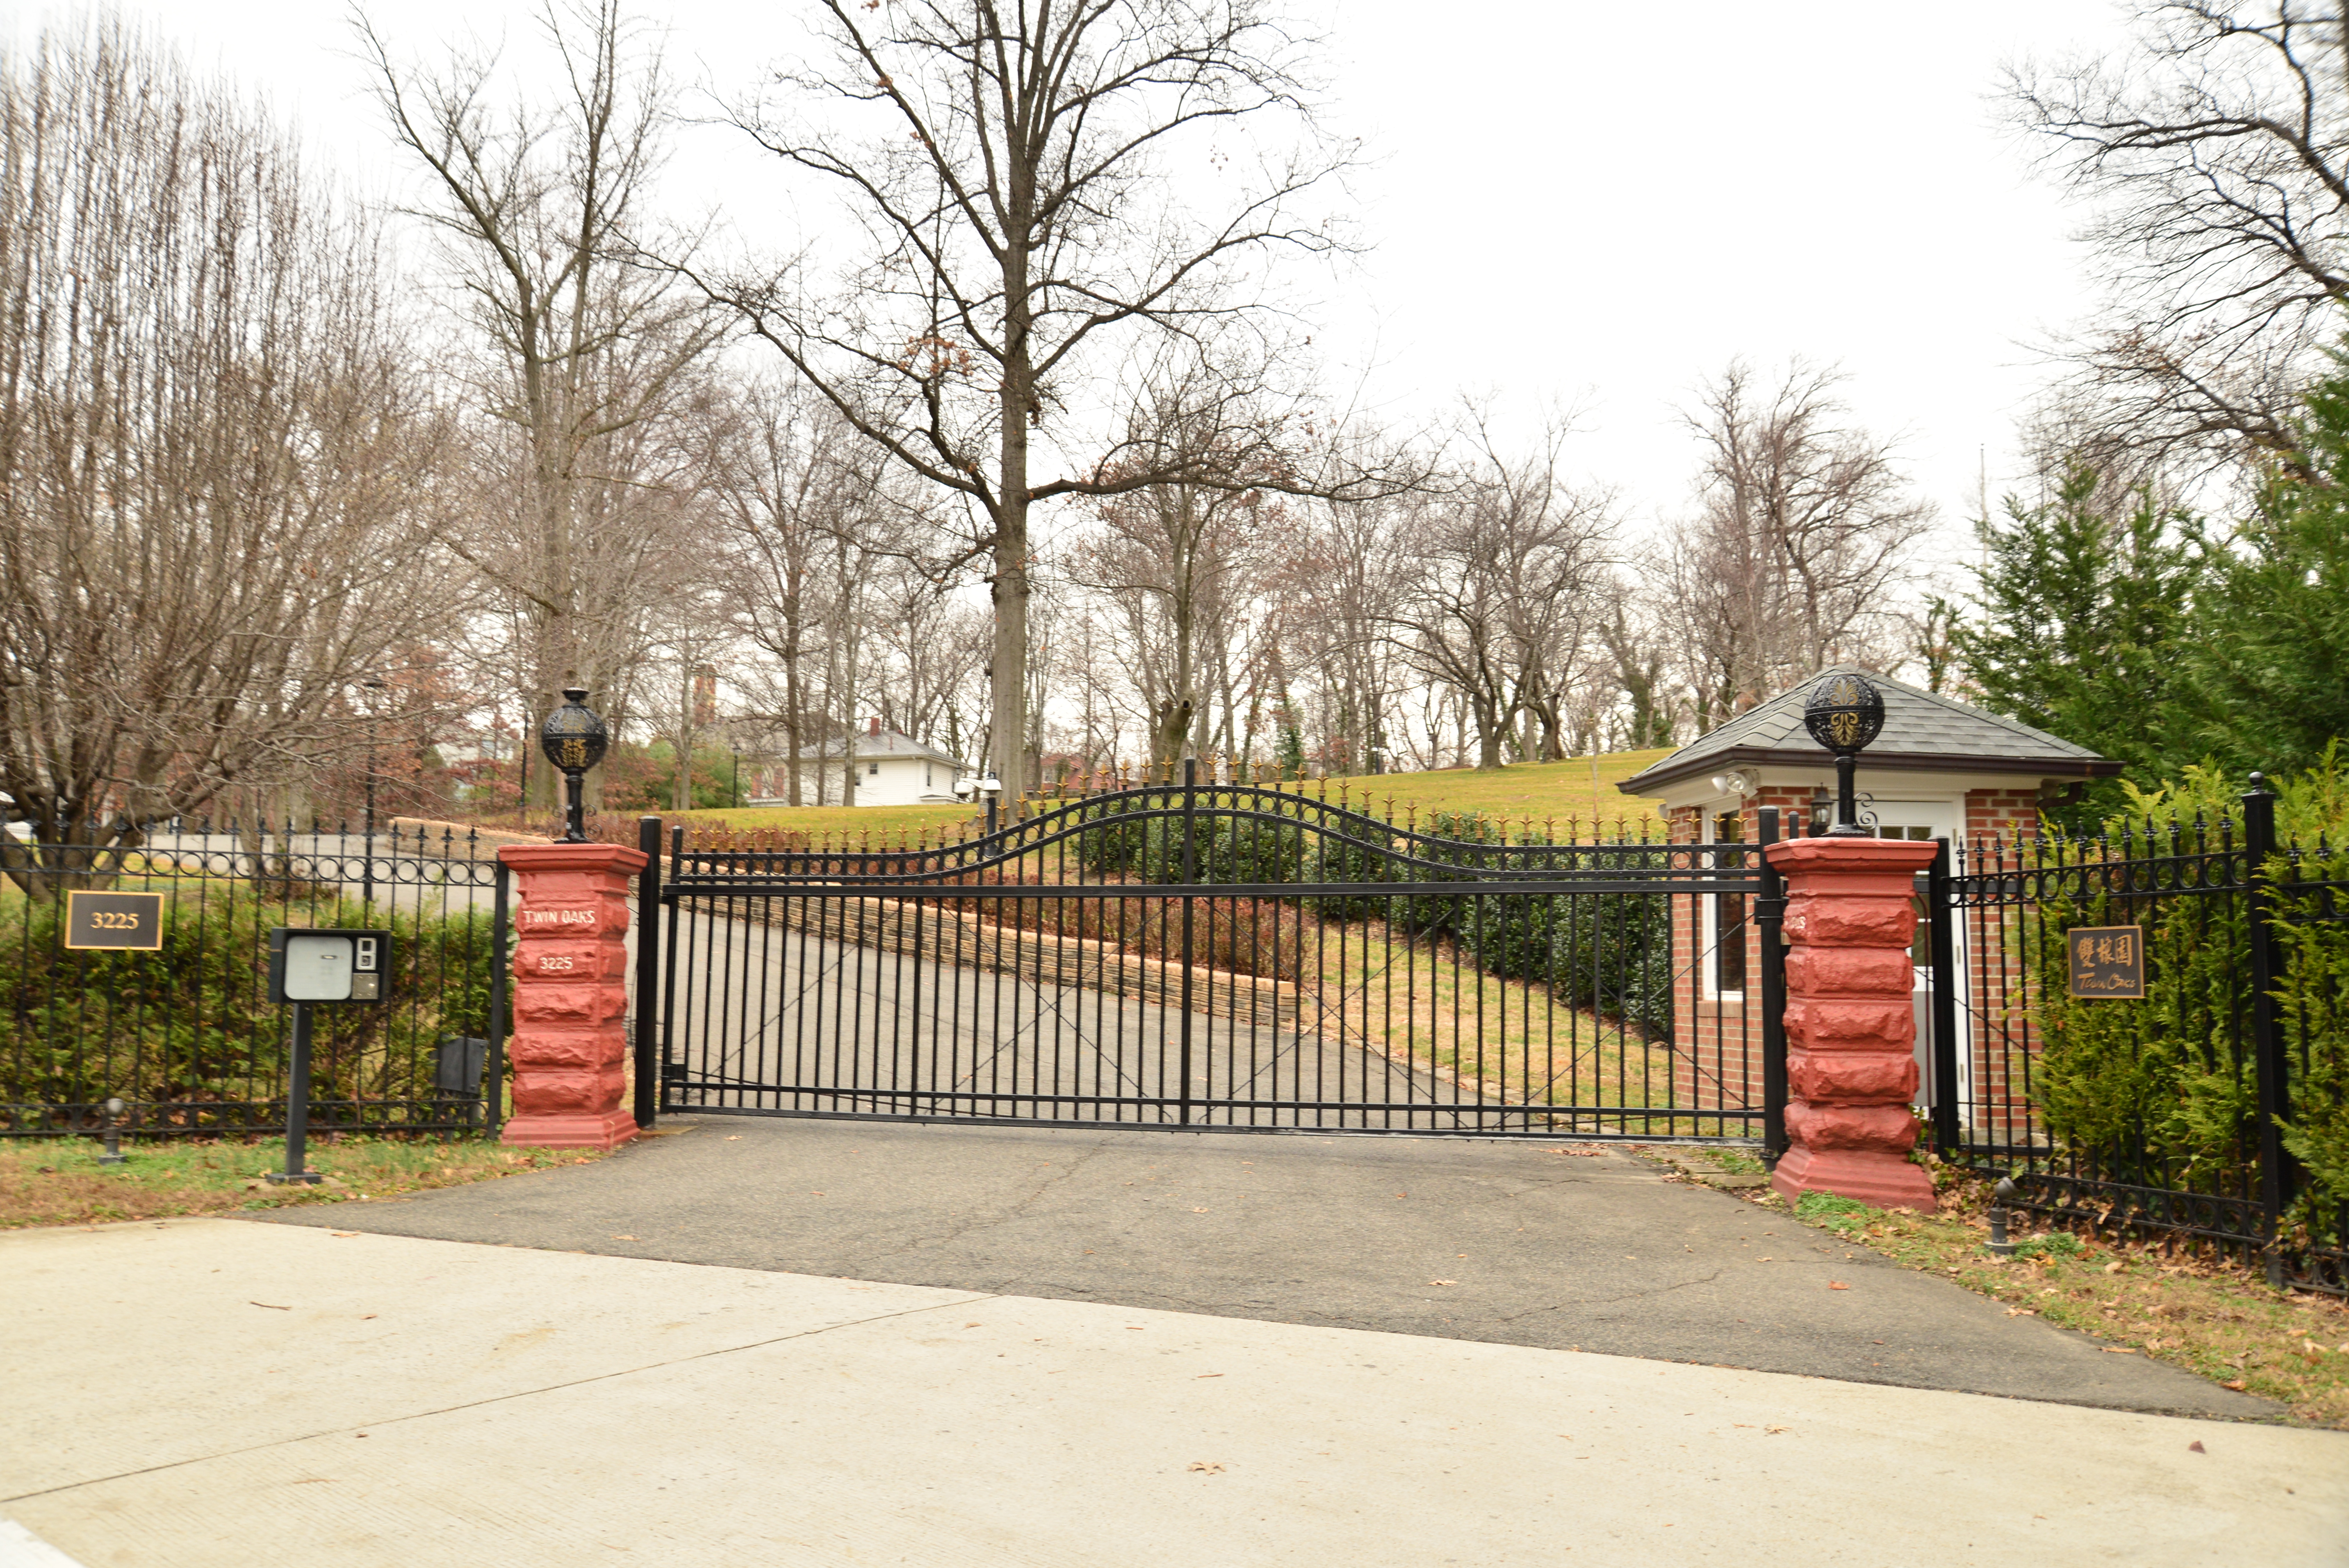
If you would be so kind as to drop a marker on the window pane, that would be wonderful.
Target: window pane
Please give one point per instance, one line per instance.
(1729, 942)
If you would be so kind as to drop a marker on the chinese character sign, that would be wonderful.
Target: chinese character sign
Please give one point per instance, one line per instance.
(2106, 960)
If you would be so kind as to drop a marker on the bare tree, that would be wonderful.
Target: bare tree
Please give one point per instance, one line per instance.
(580, 353)
(796, 479)
(928, 644)
(2216, 157)
(1182, 560)
(1345, 581)
(1011, 168)
(216, 478)
(1804, 526)
(1510, 560)
(1641, 663)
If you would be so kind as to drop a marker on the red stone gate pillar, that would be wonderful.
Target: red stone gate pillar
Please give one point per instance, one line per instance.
(1851, 1072)
(570, 991)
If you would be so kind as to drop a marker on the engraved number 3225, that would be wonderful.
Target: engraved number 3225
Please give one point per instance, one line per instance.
(561, 962)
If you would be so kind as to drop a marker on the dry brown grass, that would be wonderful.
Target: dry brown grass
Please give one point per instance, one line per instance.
(60, 1182)
(2208, 1314)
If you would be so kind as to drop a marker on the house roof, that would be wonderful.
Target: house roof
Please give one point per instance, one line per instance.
(1922, 731)
(889, 743)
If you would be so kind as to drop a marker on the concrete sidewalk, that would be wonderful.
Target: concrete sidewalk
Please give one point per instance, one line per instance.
(210, 1392)
(1539, 1245)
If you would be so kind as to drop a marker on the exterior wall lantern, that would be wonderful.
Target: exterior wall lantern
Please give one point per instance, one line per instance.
(574, 740)
(1844, 712)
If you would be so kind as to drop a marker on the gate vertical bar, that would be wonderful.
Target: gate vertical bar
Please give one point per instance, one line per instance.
(1769, 915)
(669, 970)
(1190, 875)
(493, 1083)
(2270, 1060)
(1943, 955)
(648, 1096)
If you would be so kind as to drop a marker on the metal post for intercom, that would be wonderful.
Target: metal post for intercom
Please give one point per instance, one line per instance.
(297, 1106)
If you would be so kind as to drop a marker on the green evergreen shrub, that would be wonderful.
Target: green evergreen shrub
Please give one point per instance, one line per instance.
(2166, 1082)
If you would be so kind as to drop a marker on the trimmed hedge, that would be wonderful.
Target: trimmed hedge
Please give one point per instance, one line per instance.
(1610, 952)
(190, 1023)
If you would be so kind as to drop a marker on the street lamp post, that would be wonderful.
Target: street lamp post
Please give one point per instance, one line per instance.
(366, 876)
(574, 740)
(1844, 712)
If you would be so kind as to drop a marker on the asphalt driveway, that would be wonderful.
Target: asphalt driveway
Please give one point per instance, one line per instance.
(1500, 1242)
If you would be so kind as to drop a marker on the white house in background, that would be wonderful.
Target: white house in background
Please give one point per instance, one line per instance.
(891, 769)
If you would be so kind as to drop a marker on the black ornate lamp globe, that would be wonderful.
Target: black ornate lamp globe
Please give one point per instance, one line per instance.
(574, 740)
(1844, 712)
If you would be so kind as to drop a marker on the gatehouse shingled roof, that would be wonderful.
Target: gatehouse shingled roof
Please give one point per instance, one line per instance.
(1921, 731)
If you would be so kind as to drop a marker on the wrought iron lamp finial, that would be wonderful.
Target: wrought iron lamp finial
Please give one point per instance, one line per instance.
(574, 740)
(1844, 712)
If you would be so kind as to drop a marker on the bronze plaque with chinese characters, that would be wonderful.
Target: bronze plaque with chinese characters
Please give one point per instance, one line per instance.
(2106, 960)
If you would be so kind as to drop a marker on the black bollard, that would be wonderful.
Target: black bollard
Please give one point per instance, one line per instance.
(2001, 1195)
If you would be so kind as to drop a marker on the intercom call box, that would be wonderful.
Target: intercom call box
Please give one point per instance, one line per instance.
(308, 966)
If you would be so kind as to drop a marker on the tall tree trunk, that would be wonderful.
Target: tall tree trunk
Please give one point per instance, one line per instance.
(1008, 588)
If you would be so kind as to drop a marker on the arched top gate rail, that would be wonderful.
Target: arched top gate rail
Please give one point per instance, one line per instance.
(1223, 956)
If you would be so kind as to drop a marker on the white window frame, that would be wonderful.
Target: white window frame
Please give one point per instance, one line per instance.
(1708, 937)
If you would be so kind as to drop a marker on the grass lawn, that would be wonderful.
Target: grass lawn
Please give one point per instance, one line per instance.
(1551, 793)
(58, 1182)
(1421, 1002)
(1542, 791)
(2216, 1318)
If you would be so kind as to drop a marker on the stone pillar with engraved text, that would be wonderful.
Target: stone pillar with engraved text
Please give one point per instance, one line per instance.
(569, 1044)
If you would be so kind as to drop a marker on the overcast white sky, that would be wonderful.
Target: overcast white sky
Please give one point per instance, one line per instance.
(1584, 202)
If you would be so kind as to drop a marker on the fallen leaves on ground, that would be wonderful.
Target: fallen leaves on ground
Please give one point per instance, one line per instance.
(2194, 1308)
(1209, 1467)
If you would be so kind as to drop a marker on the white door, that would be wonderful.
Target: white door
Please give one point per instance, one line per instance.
(1917, 820)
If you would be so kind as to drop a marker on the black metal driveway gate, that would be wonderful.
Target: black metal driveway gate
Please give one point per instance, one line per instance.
(1221, 957)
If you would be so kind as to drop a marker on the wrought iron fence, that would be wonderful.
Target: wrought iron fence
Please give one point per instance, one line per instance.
(1204, 954)
(183, 1034)
(2197, 1094)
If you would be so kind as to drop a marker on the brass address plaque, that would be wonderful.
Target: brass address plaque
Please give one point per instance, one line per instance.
(123, 921)
(2106, 960)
